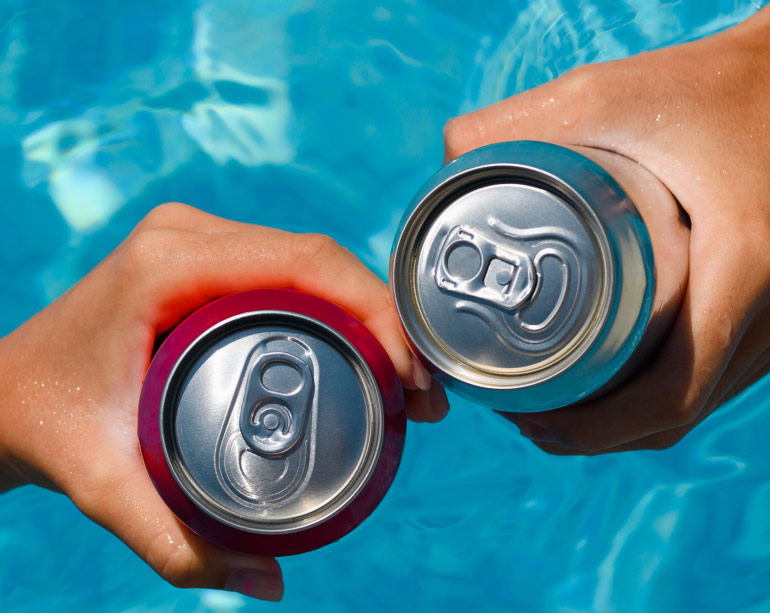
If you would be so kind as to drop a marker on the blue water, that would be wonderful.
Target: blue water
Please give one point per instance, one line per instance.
(326, 115)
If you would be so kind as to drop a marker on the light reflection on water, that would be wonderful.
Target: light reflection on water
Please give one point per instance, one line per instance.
(327, 116)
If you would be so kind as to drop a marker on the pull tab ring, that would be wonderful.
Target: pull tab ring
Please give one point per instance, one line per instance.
(273, 421)
(510, 289)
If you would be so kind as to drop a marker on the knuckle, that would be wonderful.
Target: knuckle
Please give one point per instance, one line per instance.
(146, 250)
(685, 413)
(180, 569)
(665, 440)
(580, 80)
(588, 85)
(316, 249)
(91, 486)
(165, 215)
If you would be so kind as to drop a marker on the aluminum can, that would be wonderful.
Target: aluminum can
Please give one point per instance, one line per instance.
(524, 277)
(271, 422)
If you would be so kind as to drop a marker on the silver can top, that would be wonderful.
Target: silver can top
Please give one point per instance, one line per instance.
(509, 267)
(516, 260)
(271, 422)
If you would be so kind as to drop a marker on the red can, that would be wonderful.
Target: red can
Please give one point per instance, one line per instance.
(271, 422)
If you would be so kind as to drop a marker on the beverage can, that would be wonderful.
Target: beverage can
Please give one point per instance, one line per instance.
(271, 422)
(524, 276)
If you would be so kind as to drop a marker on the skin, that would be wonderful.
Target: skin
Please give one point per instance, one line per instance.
(73, 373)
(697, 116)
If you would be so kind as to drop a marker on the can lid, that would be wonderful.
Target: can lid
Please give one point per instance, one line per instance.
(271, 422)
(503, 273)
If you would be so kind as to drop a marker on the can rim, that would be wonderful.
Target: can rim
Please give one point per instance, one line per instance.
(169, 404)
(371, 493)
(438, 198)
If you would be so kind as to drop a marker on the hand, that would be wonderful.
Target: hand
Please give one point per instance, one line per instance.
(73, 374)
(698, 117)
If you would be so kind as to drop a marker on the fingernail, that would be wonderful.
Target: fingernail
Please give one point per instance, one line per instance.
(256, 584)
(420, 376)
(535, 431)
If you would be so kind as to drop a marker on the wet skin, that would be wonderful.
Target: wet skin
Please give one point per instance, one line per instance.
(71, 375)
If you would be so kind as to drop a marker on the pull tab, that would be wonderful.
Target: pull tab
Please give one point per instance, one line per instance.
(505, 276)
(264, 454)
(531, 329)
(276, 402)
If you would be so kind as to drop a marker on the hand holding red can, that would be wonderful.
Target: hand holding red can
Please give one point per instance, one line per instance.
(74, 372)
(272, 422)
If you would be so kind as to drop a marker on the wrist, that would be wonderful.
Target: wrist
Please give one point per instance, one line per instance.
(10, 473)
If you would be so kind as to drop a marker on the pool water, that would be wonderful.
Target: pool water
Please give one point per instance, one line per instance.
(326, 115)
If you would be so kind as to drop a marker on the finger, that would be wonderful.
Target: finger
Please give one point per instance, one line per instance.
(177, 271)
(549, 113)
(430, 406)
(750, 362)
(660, 441)
(125, 503)
(673, 390)
(179, 216)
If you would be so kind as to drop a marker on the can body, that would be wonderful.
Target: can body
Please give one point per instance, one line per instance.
(271, 422)
(524, 277)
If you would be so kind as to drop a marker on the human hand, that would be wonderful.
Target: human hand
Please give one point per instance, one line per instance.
(698, 117)
(73, 373)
